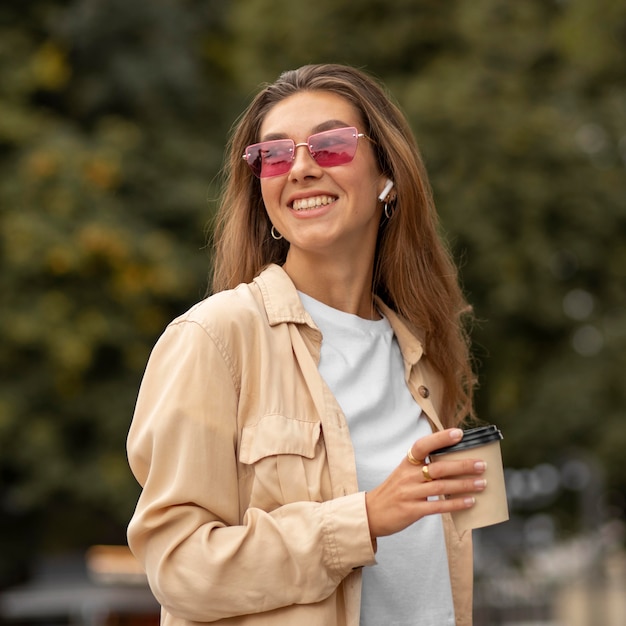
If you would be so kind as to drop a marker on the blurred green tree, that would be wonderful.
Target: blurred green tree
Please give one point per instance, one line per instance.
(111, 132)
(524, 129)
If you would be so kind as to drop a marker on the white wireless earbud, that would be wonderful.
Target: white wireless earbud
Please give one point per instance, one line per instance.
(385, 192)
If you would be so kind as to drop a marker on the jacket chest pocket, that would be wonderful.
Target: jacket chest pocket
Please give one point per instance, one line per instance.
(287, 461)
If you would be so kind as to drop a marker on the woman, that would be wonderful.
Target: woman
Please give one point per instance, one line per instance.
(272, 424)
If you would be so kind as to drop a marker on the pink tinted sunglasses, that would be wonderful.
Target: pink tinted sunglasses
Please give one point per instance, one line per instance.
(329, 148)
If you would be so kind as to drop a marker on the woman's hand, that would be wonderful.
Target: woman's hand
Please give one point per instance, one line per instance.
(404, 497)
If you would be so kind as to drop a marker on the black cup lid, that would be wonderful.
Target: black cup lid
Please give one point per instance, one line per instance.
(473, 437)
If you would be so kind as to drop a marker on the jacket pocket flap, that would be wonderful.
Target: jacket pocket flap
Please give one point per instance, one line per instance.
(277, 434)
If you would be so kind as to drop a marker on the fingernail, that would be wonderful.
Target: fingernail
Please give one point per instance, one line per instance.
(481, 483)
(456, 433)
(469, 501)
(480, 466)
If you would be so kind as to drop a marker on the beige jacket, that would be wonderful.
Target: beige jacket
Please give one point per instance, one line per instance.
(250, 512)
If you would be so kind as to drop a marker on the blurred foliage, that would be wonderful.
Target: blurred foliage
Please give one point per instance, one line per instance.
(113, 119)
(108, 148)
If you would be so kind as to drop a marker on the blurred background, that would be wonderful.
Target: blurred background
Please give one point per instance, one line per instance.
(113, 121)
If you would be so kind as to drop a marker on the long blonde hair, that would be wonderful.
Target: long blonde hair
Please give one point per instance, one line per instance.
(414, 272)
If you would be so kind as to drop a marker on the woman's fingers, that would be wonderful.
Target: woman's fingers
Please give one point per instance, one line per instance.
(437, 470)
(424, 446)
(405, 498)
(415, 489)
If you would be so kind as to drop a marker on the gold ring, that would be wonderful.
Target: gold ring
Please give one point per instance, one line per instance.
(411, 459)
(426, 473)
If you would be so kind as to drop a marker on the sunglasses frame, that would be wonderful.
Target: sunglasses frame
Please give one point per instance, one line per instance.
(258, 172)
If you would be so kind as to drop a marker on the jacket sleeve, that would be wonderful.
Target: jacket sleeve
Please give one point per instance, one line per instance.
(204, 560)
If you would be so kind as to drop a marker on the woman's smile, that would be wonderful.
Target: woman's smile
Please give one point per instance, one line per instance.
(304, 204)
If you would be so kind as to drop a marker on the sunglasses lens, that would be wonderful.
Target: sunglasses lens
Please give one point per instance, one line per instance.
(274, 158)
(334, 147)
(270, 158)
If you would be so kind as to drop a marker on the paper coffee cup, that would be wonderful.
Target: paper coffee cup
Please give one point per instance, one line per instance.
(491, 505)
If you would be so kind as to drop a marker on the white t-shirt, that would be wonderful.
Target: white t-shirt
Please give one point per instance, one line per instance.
(362, 364)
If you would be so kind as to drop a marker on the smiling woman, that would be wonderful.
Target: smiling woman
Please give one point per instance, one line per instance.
(272, 424)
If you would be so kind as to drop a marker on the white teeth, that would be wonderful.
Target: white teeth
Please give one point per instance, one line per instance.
(311, 203)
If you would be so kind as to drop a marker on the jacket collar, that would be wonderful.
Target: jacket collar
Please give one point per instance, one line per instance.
(283, 304)
(409, 341)
(280, 297)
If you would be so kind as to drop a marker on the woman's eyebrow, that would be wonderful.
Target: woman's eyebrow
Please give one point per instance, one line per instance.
(327, 125)
(330, 125)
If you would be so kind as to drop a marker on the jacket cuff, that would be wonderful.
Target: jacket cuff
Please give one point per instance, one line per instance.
(348, 544)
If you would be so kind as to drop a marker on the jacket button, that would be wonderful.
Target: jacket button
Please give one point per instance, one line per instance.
(423, 391)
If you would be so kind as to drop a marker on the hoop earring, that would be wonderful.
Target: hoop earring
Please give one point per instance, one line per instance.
(390, 209)
(275, 234)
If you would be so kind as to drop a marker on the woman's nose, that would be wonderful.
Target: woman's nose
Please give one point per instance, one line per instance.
(303, 163)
